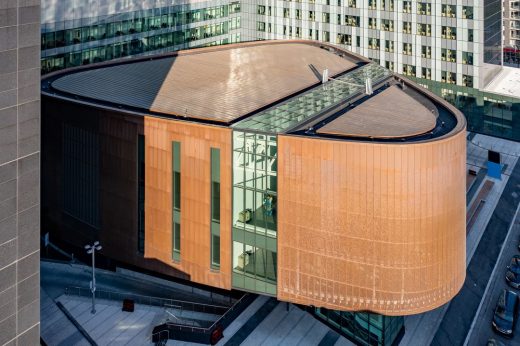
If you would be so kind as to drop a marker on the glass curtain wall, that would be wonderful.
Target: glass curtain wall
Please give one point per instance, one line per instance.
(95, 39)
(486, 113)
(254, 211)
(364, 328)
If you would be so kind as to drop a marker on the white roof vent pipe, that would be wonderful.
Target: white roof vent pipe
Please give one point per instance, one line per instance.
(368, 86)
(325, 76)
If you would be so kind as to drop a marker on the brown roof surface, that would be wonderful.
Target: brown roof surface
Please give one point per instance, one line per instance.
(220, 84)
(389, 114)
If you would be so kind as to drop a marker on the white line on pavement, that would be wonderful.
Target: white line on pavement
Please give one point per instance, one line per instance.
(492, 274)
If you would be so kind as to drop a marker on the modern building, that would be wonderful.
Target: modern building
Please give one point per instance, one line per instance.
(452, 48)
(512, 24)
(75, 33)
(294, 169)
(19, 172)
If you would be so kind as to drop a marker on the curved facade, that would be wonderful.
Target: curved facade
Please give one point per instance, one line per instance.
(371, 226)
(346, 193)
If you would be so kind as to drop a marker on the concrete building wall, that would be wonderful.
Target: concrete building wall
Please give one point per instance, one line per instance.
(326, 20)
(19, 172)
(511, 23)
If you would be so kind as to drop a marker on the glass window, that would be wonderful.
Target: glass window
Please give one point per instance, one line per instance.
(409, 70)
(467, 12)
(426, 73)
(215, 208)
(449, 32)
(215, 251)
(448, 55)
(423, 8)
(176, 241)
(352, 20)
(448, 11)
(407, 48)
(372, 23)
(387, 25)
(424, 29)
(407, 7)
(467, 58)
(426, 52)
(407, 27)
(176, 200)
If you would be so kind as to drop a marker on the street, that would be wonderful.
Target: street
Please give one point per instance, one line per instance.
(482, 329)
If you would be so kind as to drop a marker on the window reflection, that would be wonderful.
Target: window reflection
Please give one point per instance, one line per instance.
(80, 39)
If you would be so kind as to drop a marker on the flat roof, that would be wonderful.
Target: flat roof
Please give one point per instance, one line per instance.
(219, 84)
(393, 113)
(506, 82)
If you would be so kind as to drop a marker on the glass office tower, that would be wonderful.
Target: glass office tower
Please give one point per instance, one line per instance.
(89, 39)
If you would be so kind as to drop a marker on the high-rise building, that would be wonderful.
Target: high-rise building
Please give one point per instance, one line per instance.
(512, 24)
(294, 169)
(450, 42)
(76, 33)
(453, 48)
(19, 172)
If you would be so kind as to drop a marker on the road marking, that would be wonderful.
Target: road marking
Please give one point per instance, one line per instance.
(491, 276)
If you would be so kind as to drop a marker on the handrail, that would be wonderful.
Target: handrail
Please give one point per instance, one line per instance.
(148, 300)
(167, 303)
(160, 342)
(209, 329)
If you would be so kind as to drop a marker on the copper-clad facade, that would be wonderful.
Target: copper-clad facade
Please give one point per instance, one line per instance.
(196, 141)
(332, 194)
(368, 226)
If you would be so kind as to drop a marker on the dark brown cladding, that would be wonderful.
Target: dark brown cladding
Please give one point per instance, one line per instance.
(117, 199)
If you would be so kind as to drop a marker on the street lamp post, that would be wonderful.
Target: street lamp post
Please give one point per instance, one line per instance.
(91, 249)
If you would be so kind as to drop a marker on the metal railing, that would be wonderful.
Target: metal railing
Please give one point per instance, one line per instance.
(162, 338)
(148, 300)
(228, 314)
(201, 334)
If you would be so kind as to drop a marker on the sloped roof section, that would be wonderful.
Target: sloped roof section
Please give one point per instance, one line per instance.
(220, 85)
(393, 113)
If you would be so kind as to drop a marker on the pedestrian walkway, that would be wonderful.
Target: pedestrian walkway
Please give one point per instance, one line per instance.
(462, 308)
(56, 328)
(421, 329)
(110, 325)
(268, 322)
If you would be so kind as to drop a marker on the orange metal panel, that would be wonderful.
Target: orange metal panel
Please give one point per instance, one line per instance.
(371, 226)
(196, 141)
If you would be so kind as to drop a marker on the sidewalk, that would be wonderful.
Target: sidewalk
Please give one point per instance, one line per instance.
(56, 328)
(423, 329)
